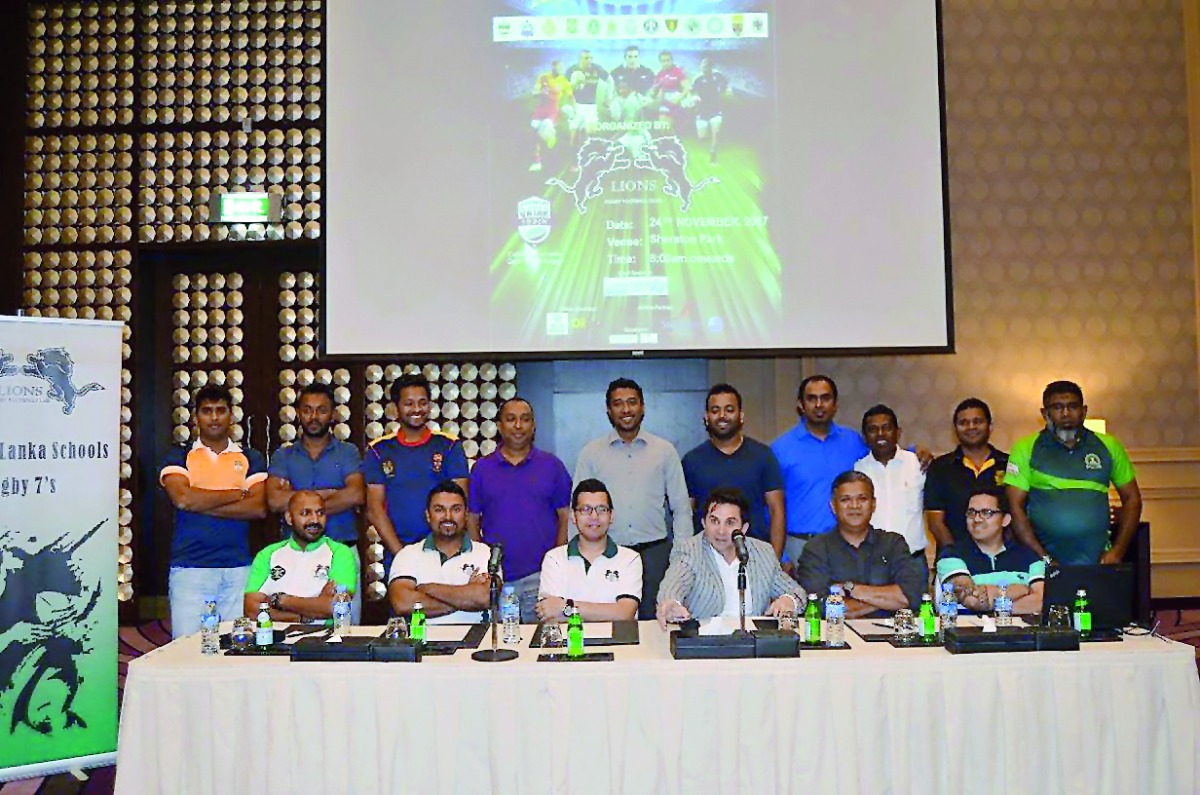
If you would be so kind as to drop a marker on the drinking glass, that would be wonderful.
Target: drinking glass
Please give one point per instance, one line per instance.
(241, 637)
(1059, 617)
(787, 621)
(552, 637)
(905, 625)
(397, 628)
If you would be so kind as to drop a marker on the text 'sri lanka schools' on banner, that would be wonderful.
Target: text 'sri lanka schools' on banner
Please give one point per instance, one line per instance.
(60, 453)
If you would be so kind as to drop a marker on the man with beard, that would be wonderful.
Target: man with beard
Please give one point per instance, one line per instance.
(521, 498)
(402, 467)
(953, 477)
(1057, 482)
(325, 465)
(730, 458)
(216, 488)
(297, 577)
(645, 477)
(447, 573)
(873, 566)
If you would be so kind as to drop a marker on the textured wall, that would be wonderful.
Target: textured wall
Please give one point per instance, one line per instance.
(1071, 225)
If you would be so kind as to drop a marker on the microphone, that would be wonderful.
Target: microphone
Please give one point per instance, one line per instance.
(739, 545)
(494, 560)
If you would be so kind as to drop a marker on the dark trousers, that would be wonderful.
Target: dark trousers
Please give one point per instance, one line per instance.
(656, 555)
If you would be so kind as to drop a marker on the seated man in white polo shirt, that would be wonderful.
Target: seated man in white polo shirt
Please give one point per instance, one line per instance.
(447, 572)
(297, 577)
(603, 579)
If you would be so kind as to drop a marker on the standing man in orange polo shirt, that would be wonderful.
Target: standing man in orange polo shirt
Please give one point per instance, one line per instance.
(216, 488)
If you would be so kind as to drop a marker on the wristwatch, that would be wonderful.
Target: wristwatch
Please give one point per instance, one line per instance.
(275, 600)
(848, 587)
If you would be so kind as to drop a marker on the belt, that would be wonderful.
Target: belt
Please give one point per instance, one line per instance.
(639, 548)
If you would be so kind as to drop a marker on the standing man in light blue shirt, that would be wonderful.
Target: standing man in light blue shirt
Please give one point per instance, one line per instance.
(645, 478)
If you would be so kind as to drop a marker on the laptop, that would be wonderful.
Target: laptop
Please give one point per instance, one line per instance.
(1110, 590)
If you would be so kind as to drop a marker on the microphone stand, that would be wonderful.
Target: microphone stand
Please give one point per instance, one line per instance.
(494, 654)
(741, 583)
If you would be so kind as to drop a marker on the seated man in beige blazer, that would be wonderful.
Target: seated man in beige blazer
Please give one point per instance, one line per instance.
(701, 581)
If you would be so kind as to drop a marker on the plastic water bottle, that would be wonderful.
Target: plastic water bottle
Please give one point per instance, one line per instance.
(510, 615)
(1081, 614)
(264, 633)
(416, 623)
(210, 624)
(1004, 608)
(927, 622)
(835, 617)
(948, 609)
(341, 611)
(574, 631)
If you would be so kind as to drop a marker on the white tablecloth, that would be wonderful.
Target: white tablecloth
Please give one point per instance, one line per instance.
(1119, 718)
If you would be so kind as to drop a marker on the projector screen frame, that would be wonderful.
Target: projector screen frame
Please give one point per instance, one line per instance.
(673, 353)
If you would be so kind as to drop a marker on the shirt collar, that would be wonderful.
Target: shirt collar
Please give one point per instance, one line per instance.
(312, 547)
(426, 435)
(610, 548)
(533, 451)
(232, 447)
(615, 438)
(1084, 436)
(872, 534)
(802, 430)
(430, 546)
(961, 457)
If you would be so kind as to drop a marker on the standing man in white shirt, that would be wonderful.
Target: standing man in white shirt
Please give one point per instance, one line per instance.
(898, 478)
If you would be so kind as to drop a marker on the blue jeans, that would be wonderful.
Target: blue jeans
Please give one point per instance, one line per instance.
(188, 587)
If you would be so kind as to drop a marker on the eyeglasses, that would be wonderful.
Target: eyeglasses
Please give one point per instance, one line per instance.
(598, 510)
(982, 513)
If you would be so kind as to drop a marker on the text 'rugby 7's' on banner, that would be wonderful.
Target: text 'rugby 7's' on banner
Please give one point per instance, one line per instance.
(563, 178)
(60, 402)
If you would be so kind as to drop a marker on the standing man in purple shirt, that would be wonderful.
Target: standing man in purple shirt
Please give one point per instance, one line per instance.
(520, 497)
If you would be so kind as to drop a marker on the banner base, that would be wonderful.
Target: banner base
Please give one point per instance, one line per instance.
(74, 766)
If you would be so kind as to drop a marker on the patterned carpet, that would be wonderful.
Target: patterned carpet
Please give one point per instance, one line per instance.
(1180, 625)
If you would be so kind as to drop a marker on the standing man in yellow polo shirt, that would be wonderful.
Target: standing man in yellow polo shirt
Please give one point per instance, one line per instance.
(216, 488)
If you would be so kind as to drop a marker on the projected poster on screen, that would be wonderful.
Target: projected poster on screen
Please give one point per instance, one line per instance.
(638, 214)
(552, 177)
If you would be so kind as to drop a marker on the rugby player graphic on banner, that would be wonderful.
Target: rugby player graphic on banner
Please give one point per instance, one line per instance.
(60, 453)
(634, 211)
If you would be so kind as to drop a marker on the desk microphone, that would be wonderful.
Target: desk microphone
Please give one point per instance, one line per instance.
(494, 560)
(739, 546)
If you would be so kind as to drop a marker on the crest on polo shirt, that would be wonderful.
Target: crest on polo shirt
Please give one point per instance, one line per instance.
(999, 478)
(471, 569)
(389, 468)
(1092, 461)
(238, 466)
(612, 575)
(321, 572)
(278, 572)
(436, 463)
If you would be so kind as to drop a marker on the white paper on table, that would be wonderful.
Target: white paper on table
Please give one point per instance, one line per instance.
(446, 632)
(977, 621)
(720, 625)
(598, 631)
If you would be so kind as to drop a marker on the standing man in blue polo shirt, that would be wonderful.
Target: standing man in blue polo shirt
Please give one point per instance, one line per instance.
(216, 488)
(520, 497)
(730, 458)
(811, 455)
(401, 468)
(325, 465)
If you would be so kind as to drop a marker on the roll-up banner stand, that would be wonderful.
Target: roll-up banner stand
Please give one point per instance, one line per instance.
(60, 457)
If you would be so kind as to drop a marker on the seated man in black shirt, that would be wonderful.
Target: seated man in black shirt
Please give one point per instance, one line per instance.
(873, 566)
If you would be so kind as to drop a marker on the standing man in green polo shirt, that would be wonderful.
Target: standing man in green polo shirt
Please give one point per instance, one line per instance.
(1057, 482)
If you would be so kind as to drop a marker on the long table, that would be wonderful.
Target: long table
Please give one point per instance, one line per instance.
(1115, 718)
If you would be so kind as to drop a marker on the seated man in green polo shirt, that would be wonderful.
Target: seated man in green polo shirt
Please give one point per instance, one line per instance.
(297, 577)
(991, 557)
(1057, 482)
